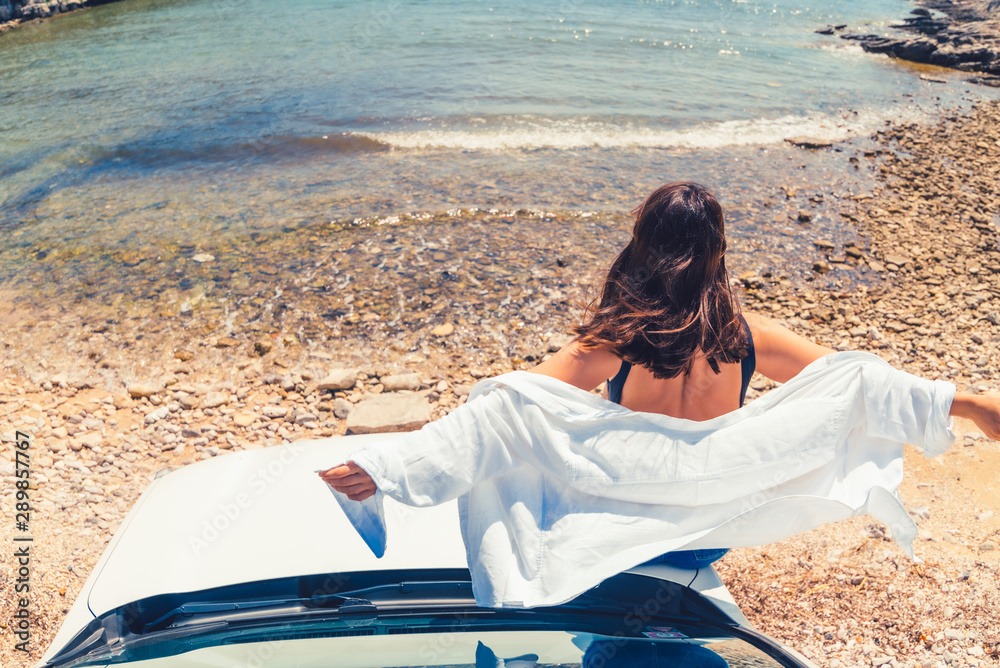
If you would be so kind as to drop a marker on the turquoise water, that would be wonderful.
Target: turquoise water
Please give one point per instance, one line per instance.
(151, 122)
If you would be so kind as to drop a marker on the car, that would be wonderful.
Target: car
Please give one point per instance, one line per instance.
(247, 560)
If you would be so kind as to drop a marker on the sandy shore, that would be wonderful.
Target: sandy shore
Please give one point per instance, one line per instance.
(111, 396)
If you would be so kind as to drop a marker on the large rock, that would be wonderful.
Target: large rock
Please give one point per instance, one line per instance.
(339, 379)
(403, 381)
(389, 412)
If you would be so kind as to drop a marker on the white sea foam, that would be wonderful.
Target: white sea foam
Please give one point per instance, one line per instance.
(564, 134)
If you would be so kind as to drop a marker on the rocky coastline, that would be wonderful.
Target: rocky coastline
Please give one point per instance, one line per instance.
(16, 12)
(962, 35)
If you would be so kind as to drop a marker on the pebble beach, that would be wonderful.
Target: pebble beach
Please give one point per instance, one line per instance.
(257, 258)
(110, 397)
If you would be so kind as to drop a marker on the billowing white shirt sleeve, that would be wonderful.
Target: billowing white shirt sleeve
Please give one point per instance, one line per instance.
(559, 489)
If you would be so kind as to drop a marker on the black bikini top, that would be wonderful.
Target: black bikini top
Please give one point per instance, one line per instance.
(747, 366)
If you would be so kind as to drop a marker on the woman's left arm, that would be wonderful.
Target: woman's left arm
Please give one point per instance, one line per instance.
(585, 368)
(983, 409)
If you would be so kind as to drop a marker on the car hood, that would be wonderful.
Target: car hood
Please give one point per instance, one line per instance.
(248, 516)
(264, 514)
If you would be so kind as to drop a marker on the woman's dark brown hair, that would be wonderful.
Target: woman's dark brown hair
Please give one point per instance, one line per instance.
(667, 298)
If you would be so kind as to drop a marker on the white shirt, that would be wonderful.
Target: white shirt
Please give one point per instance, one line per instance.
(559, 489)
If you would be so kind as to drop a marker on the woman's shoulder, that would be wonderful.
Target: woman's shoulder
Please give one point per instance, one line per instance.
(582, 366)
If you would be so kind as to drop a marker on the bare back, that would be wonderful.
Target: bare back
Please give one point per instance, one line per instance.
(699, 395)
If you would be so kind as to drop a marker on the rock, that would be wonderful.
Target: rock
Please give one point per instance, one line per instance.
(403, 381)
(90, 439)
(443, 330)
(184, 355)
(804, 217)
(203, 257)
(140, 390)
(305, 418)
(389, 412)
(339, 379)
(988, 546)
(821, 267)
(244, 419)
(274, 412)
(191, 432)
(823, 244)
(342, 408)
(263, 347)
(188, 401)
(809, 142)
(157, 415)
(215, 399)
(226, 342)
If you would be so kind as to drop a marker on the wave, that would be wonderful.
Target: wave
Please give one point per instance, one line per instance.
(563, 134)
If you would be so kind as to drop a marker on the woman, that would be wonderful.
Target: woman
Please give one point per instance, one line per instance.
(667, 333)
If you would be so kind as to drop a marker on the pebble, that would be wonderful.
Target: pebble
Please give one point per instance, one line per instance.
(443, 330)
(342, 408)
(203, 257)
(244, 419)
(274, 412)
(141, 390)
(157, 415)
(215, 399)
(90, 439)
(339, 379)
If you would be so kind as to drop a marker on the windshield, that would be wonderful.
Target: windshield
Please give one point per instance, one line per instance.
(417, 618)
(486, 649)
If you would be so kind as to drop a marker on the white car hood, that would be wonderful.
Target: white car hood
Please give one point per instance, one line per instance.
(248, 516)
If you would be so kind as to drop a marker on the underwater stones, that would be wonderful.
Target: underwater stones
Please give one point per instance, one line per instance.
(443, 330)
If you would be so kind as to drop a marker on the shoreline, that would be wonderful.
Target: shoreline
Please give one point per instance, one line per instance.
(14, 15)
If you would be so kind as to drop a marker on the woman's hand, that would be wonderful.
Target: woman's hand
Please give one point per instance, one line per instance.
(983, 409)
(349, 479)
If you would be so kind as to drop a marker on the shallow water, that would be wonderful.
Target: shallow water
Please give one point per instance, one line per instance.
(150, 129)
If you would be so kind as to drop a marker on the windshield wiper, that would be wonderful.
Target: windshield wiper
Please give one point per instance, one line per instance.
(349, 605)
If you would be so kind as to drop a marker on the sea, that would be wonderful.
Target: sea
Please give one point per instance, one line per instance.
(180, 125)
